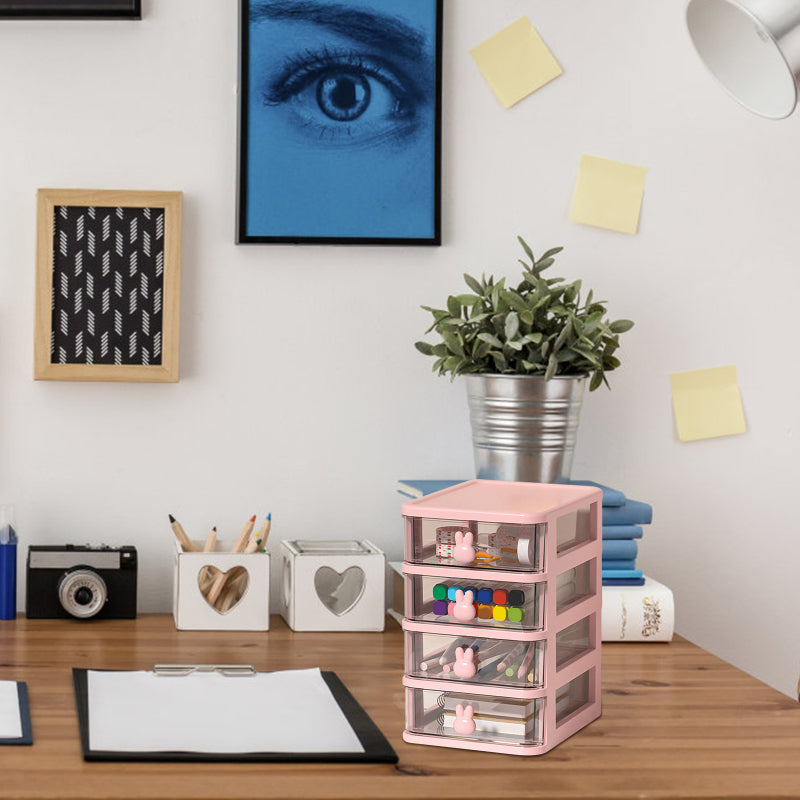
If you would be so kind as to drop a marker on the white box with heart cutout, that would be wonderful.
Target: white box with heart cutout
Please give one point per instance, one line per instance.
(333, 586)
(220, 590)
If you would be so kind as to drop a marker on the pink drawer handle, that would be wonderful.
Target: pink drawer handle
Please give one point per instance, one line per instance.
(464, 665)
(464, 724)
(464, 552)
(464, 606)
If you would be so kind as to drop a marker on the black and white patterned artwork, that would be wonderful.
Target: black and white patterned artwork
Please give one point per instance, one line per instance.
(108, 285)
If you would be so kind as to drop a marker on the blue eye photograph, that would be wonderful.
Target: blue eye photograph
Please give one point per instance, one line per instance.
(339, 122)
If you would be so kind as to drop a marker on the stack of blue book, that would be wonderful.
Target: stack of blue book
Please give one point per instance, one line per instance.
(622, 529)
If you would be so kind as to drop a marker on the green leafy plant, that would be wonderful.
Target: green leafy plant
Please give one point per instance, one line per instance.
(541, 327)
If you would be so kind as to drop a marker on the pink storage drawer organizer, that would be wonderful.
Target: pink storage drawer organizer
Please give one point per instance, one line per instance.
(502, 606)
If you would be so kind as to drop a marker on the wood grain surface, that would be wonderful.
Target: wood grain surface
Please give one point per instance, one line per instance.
(677, 723)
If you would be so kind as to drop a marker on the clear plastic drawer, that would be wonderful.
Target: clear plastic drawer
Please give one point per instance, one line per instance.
(482, 545)
(474, 599)
(469, 659)
(475, 717)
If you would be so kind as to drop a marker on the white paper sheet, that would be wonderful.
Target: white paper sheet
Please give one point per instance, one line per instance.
(10, 721)
(282, 712)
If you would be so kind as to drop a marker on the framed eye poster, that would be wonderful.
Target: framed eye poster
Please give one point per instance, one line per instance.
(66, 9)
(107, 285)
(340, 121)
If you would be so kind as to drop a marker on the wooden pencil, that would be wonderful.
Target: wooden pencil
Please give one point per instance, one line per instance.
(238, 547)
(205, 578)
(180, 534)
(234, 589)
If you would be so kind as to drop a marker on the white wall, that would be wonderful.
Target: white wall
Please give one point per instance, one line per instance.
(301, 392)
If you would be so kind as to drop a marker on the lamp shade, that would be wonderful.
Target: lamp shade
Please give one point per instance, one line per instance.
(753, 49)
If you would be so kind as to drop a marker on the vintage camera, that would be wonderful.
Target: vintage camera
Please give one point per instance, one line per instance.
(81, 581)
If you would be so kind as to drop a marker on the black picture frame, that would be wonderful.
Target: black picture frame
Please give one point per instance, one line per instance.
(249, 233)
(71, 9)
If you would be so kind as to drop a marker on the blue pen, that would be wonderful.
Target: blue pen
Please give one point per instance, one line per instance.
(8, 568)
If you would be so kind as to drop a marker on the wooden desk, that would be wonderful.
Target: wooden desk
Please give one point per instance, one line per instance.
(677, 722)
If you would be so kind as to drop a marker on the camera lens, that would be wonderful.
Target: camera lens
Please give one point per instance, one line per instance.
(84, 596)
(82, 593)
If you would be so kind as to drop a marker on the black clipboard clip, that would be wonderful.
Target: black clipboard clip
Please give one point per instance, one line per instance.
(228, 670)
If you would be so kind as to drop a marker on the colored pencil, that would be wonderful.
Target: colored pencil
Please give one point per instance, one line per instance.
(513, 653)
(265, 529)
(526, 661)
(241, 543)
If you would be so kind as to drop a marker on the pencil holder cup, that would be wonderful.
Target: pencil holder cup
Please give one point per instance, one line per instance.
(333, 586)
(220, 590)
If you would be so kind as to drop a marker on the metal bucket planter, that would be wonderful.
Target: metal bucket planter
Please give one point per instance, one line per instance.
(524, 427)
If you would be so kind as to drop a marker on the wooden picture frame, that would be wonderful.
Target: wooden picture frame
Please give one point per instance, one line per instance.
(340, 109)
(107, 285)
(71, 9)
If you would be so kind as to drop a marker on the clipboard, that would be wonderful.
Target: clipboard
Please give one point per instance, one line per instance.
(374, 747)
(24, 717)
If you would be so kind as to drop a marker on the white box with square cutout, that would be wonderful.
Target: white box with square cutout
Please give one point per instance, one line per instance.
(244, 600)
(333, 586)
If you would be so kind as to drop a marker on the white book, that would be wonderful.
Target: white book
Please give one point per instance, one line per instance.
(485, 723)
(638, 613)
(499, 723)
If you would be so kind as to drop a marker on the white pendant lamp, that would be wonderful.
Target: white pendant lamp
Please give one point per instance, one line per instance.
(753, 49)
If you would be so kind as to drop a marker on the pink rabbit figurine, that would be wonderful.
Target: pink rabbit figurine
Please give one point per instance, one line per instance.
(463, 608)
(464, 724)
(464, 552)
(464, 666)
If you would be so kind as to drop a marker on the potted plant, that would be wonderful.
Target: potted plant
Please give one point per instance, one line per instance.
(525, 352)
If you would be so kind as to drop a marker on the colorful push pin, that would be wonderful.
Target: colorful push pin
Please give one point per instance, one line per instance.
(440, 608)
(451, 591)
(500, 597)
(440, 591)
(484, 595)
(500, 613)
(516, 597)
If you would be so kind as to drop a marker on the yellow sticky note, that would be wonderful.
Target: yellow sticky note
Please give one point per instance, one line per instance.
(707, 403)
(608, 194)
(515, 62)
